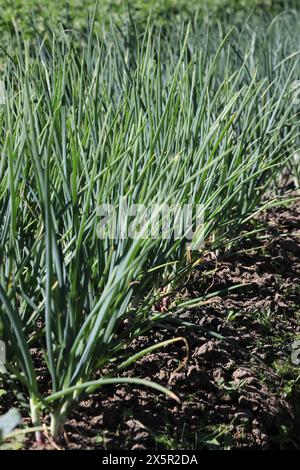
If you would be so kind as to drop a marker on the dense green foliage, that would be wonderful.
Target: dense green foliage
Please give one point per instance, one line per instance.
(74, 11)
(193, 115)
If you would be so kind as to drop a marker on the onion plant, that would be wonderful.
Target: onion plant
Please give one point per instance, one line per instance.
(112, 116)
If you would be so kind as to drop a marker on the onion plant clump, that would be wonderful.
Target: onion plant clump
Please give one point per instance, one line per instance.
(150, 119)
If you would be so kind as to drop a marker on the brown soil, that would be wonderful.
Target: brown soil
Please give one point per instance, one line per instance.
(237, 392)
